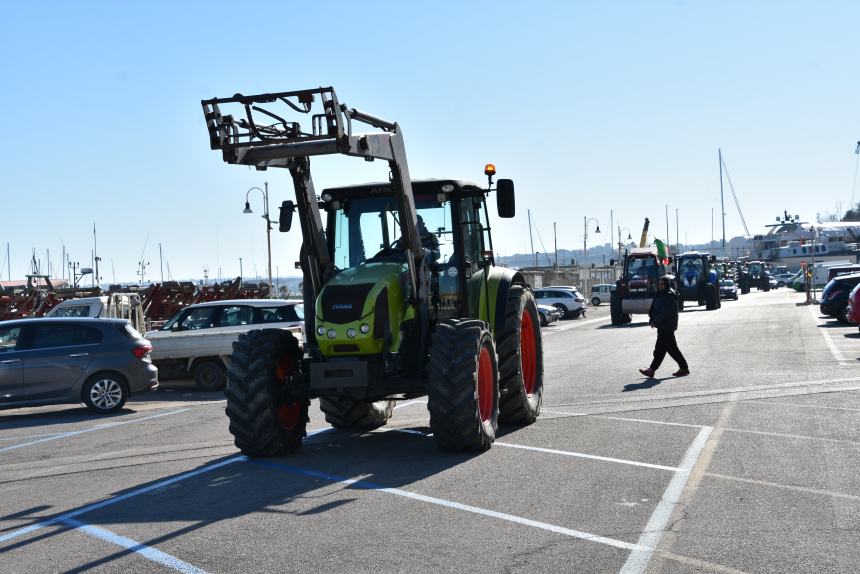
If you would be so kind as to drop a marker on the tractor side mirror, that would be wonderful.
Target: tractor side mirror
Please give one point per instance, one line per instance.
(612, 262)
(505, 198)
(285, 220)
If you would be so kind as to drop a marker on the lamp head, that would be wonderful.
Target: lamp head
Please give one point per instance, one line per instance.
(247, 208)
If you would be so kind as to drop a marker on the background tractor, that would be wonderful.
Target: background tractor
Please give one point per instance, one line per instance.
(401, 279)
(697, 280)
(637, 286)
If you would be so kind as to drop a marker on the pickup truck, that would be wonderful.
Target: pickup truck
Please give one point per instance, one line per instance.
(198, 341)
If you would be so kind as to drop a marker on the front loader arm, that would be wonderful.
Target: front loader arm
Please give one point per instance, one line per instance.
(243, 140)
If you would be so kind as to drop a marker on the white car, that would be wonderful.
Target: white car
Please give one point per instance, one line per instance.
(198, 340)
(568, 300)
(600, 293)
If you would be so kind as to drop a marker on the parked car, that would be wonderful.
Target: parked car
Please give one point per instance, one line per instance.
(834, 298)
(600, 293)
(548, 314)
(568, 300)
(198, 341)
(852, 314)
(783, 279)
(728, 289)
(99, 362)
(774, 284)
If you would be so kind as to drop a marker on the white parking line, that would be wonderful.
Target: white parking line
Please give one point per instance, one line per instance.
(799, 405)
(116, 499)
(31, 436)
(93, 429)
(358, 483)
(142, 549)
(578, 323)
(837, 354)
(637, 562)
(649, 421)
(406, 404)
(555, 451)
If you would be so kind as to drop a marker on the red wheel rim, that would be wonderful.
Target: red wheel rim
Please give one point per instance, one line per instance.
(288, 414)
(528, 353)
(485, 384)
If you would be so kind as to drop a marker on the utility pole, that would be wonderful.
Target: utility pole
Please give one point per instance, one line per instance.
(667, 224)
(240, 272)
(531, 239)
(97, 279)
(161, 262)
(612, 231)
(722, 201)
(555, 244)
(8, 262)
(677, 241)
(712, 227)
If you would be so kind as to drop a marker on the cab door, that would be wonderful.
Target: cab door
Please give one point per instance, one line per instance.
(11, 379)
(57, 357)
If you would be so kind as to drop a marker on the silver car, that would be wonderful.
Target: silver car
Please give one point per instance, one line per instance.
(98, 362)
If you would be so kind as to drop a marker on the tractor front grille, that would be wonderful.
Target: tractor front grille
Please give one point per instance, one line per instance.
(344, 303)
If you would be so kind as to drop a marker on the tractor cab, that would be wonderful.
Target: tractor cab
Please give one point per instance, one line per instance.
(363, 309)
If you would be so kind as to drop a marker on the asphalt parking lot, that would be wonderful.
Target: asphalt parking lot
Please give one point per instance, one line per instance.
(748, 465)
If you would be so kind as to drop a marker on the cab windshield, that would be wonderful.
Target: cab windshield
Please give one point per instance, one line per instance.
(369, 227)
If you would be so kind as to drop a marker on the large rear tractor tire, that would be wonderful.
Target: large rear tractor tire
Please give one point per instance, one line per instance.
(262, 423)
(712, 296)
(615, 313)
(520, 351)
(463, 386)
(347, 413)
(766, 285)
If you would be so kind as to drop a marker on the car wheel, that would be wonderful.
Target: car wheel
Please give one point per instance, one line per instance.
(210, 376)
(543, 321)
(105, 393)
(595, 301)
(561, 309)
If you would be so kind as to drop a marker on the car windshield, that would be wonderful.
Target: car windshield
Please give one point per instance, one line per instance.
(727, 283)
(72, 311)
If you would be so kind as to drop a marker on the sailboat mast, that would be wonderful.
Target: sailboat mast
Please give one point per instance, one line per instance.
(722, 201)
(531, 240)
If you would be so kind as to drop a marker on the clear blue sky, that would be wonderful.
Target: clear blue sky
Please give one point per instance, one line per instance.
(588, 106)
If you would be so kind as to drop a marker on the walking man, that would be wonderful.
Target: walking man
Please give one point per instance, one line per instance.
(663, 316)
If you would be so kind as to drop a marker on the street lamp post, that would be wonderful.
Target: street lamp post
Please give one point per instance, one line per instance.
(585, 221)
(265, 193)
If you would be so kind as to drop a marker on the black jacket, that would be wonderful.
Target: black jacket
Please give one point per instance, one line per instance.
(664, 311)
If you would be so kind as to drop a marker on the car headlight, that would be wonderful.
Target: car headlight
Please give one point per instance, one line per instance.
(320, 330)
(332, 333)
(351, 333)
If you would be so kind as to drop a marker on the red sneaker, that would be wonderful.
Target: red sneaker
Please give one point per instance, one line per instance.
(647, 372)
(681, 373)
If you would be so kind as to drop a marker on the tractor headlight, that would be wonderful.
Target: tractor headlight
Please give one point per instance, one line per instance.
(332, 333)
(351, 333)
(320, 330)
(365, 328)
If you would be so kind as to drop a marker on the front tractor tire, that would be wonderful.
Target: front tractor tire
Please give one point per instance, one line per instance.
(520, 351)
(346, 413)
(463, 386)
(262, 423)
(615, 314)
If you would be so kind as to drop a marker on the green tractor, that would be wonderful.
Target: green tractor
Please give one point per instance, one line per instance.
(406, 298)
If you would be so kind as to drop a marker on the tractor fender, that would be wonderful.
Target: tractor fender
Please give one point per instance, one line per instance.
(499, 282)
